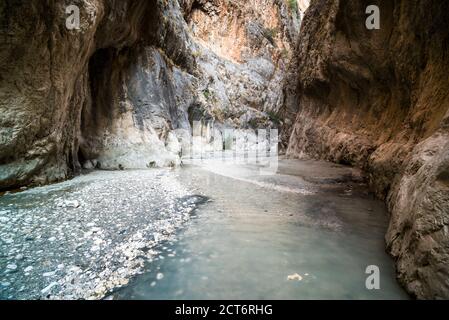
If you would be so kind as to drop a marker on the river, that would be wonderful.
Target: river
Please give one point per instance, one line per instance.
(313, 221)
(203, 231)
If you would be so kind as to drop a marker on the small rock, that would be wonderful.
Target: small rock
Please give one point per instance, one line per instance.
(49, 287)
(28, 269)
(11, 266)
(294, 277)
(72, 203)
(159, 276)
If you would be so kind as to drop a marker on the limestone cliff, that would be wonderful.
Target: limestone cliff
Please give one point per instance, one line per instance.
(122, 91)
(379, 100)
(44, 80)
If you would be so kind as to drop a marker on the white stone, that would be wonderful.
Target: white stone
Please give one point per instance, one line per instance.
(11, 266)
(295, 276)
(72, 203)
(49, 287)
(28, 269)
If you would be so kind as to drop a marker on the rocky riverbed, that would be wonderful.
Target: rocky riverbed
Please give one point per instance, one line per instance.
(83, 238)
(212, 230)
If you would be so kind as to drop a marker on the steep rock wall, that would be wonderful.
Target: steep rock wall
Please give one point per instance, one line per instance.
(139, 96)
(379, 100)
(44, 80)
(122, 91)
(242, 54)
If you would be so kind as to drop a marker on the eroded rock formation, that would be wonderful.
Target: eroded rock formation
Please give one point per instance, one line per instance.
(44, 80)
(122, 91)
(379, 100)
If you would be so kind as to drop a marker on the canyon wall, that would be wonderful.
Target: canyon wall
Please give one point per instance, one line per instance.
(378, 99)
(44, 80)
(123, 90)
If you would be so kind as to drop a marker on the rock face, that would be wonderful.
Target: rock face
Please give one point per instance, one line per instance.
(44, 80)
(242, 53)
(379, 100)
(123, 90)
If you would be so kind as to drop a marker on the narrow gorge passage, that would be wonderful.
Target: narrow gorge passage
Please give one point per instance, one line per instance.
(224, 149)
(209, 231)
(313, 219)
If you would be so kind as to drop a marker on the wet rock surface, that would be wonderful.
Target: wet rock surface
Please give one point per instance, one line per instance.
(86, 237)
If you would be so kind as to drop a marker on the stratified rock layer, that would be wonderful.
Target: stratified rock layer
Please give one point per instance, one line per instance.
(379, 100)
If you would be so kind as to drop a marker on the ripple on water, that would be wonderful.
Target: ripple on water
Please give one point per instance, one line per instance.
(253, 241)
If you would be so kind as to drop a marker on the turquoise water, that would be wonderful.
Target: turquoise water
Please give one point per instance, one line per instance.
(313, 219)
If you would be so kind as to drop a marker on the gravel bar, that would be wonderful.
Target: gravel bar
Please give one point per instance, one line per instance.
(84, 238)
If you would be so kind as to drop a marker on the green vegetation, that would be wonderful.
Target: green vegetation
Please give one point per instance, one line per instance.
(293, 5)
(207, 94)
(210, 96)
(254, 123)
(152, 164)
(274, 117)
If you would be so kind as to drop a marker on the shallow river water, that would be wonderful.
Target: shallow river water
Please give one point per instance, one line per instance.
(208, 231)
(312, 221)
